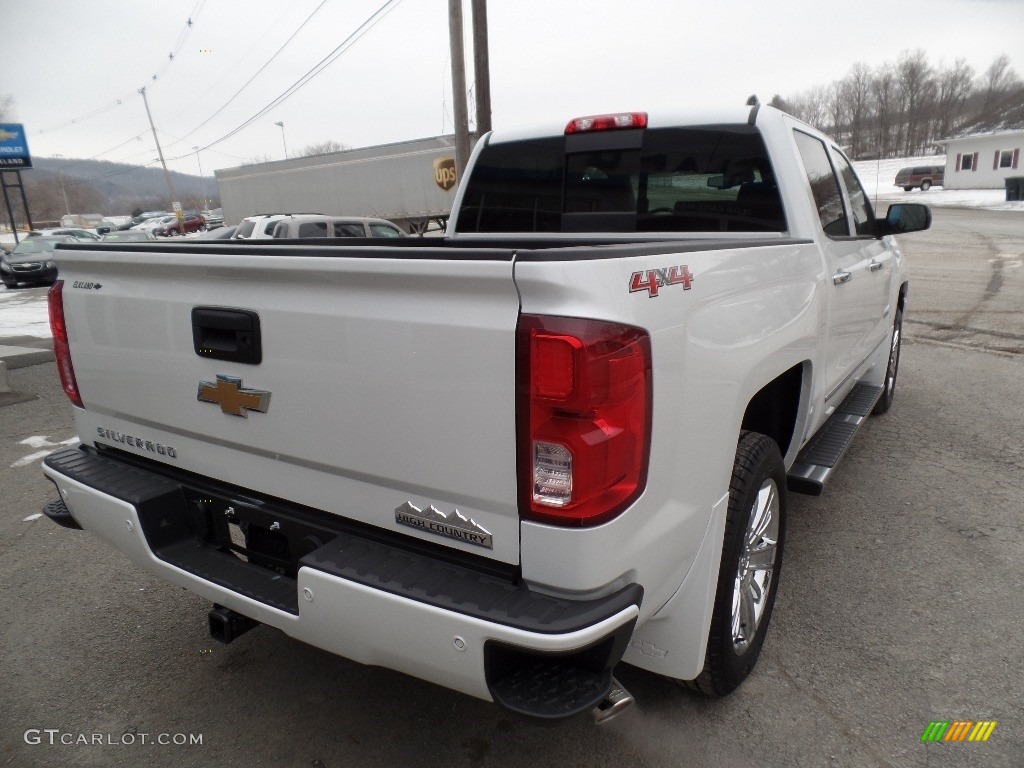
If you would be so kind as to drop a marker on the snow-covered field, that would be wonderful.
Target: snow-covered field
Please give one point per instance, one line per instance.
(877, 176)
(23, 312)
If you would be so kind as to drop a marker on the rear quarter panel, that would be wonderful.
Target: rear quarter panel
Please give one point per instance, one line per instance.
(750, 314)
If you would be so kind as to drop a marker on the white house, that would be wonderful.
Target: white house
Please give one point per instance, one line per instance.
(984, 160)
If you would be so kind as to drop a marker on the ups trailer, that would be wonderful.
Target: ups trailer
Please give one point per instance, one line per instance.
(411, 183)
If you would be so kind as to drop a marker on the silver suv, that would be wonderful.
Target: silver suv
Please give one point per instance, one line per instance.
(261, 226)
(307, 225)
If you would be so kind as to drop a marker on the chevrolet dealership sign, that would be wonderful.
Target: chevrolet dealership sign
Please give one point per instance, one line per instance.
(13, 147)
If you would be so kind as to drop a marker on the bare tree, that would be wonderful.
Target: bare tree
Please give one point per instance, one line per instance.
(51, 197)
(953, 87)
(883, 89)
(999, 80)
(836, 102)
(780, 103)
(323, 148)
(257, 159)
(810, 106)
(858, 90)
(916, 90)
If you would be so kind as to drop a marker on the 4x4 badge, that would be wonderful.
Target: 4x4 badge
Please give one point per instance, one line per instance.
(232, 398)
(654, 279)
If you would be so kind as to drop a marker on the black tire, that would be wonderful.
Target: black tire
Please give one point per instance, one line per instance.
(925, 186)
(892, 367)
(732, 649)
(908, 189)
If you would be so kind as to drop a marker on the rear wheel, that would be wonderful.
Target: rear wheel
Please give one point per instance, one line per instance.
(751, 559)
(892, 368)
(925, 186)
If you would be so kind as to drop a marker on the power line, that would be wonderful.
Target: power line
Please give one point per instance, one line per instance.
(239, 91)
(258, 72)
(183, 35)
(268, 28)
(375, 18)
(347, 43)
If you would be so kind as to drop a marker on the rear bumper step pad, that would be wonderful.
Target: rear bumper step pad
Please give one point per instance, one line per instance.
(168, 527)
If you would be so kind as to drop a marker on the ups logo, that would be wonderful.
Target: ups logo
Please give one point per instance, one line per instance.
(445, 175)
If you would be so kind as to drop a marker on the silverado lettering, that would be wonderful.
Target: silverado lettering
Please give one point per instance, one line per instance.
(136, 442)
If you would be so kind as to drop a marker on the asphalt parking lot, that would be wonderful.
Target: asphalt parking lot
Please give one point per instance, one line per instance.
(901, 600)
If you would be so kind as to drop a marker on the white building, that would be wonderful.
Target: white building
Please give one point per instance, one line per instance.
(983, 161)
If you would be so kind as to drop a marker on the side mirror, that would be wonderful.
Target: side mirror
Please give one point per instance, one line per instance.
(904, 217)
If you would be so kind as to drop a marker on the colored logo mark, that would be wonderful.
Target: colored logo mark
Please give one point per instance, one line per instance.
(958, 730)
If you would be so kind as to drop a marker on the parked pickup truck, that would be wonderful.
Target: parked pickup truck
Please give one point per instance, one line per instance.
(503, 461)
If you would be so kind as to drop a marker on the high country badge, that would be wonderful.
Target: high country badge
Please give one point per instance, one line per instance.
(454, 525)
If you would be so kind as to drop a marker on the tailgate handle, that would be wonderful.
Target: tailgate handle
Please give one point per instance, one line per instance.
(220, 333)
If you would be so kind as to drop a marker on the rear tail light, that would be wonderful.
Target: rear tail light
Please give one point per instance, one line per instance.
(607, 122)
(61, 348)
(584, 418)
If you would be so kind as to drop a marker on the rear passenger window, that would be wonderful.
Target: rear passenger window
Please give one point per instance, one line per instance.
(313, 229)
(341, 229)
(828, 196)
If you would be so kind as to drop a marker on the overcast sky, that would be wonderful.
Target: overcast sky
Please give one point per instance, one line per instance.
(67, 63)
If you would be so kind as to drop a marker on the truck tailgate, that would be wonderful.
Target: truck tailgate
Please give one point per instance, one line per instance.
(386, 384)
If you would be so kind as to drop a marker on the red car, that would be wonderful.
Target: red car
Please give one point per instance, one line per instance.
(192, 222)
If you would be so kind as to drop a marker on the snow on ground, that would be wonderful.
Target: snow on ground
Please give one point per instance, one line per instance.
(24, 313)
(878, 176)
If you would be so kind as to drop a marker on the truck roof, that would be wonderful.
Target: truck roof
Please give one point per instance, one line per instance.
(655, 119)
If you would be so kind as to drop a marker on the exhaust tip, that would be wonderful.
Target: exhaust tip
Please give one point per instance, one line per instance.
(614, 704)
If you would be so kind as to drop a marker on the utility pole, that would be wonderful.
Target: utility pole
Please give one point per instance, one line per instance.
(202, 181)
(481, 67)
(160, 152)
(458, 86)
(67, 208)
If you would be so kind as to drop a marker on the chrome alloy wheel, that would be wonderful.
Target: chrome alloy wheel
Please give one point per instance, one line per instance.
(756, 567)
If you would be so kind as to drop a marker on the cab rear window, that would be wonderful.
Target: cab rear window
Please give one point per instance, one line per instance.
(710, 179)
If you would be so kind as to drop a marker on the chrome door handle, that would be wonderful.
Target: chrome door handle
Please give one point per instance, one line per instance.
(876, 265)
(841, 277)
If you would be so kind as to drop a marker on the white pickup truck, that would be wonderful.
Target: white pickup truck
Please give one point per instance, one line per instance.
(503, 461)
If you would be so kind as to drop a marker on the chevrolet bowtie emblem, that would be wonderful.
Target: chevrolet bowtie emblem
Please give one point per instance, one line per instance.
(232, 398)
